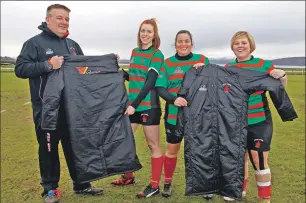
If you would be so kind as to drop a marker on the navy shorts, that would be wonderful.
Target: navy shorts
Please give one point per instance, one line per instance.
(260, 135)
(147, 117)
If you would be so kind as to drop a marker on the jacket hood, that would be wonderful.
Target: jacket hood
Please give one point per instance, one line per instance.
(46, 30)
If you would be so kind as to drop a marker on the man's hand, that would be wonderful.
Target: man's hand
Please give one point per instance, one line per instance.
(56, 61)
(180, 101)
(129, 111)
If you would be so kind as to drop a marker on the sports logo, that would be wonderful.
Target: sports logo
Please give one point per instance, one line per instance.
(203, 88)
(72, 50)
(132, 60)
(178, 70)
(48, 137)
(144, 117)
(49, 51)
(258, 142)
(84, 70)
(226, 87)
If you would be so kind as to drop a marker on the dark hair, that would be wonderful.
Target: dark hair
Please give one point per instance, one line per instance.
(54, 6)
(183, 32)
(156, 39)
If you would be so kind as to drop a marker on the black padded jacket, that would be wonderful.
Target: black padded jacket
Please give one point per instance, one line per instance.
(214, 125)
(95, 98)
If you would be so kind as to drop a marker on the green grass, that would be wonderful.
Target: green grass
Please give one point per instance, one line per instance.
(20, 170)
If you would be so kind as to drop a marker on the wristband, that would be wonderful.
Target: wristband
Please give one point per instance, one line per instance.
(283, 76)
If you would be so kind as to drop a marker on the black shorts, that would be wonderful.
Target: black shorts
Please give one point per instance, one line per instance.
(170, 134)
(260, 135)
(147, 117)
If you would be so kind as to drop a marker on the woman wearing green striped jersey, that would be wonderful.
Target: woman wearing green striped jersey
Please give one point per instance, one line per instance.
(260, 127)
(167, 86)
(145, 63)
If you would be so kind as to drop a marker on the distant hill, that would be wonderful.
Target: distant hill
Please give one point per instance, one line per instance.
(125, 61)
(220, 60)
(7, 60)
(290, 61)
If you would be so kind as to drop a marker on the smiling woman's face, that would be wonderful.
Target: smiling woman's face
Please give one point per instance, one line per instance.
(183, 44)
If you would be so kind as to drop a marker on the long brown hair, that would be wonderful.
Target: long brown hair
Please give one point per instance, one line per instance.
(156, 39)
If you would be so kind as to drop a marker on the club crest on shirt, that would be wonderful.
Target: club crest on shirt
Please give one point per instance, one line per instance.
(178, 70)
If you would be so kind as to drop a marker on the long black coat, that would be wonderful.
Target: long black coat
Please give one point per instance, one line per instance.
(94, 98)
(214, 125)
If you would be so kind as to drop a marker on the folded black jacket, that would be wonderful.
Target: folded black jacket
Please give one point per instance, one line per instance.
(214, 125)
(95, 100)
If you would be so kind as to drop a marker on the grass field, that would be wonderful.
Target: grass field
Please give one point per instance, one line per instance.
(20, 171)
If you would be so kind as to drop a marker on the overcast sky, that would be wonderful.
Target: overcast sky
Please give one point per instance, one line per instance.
(111, 27)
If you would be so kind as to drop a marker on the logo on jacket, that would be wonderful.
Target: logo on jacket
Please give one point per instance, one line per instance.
(203, 88)
(226, 87)
(49, 51)
(83, 70)
(178, 70)
(144, 117)
(258, 142)
(72, 50)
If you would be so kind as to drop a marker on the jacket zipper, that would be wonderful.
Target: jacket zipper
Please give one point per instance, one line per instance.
(40, 88)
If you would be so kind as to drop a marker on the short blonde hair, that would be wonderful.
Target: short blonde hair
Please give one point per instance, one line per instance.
(240, 34)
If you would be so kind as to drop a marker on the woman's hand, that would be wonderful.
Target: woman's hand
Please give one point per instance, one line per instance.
(180, 101)
(198, 65)
(129, 111)
(277, 73)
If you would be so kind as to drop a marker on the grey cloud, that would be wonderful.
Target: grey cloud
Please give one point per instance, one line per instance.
(212, 27)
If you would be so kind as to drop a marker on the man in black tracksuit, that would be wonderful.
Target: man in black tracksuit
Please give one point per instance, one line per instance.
(40, 55)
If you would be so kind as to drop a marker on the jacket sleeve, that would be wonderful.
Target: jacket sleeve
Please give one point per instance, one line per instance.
(79, 51)
(27, 64)
(167, 96)
(180, 122)
(252, 81)
(51, 99)
(149, 84)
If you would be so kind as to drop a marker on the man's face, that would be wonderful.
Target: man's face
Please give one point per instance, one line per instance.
(58, 21)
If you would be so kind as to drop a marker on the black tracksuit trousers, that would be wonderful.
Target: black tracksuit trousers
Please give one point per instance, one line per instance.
(49, 159)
